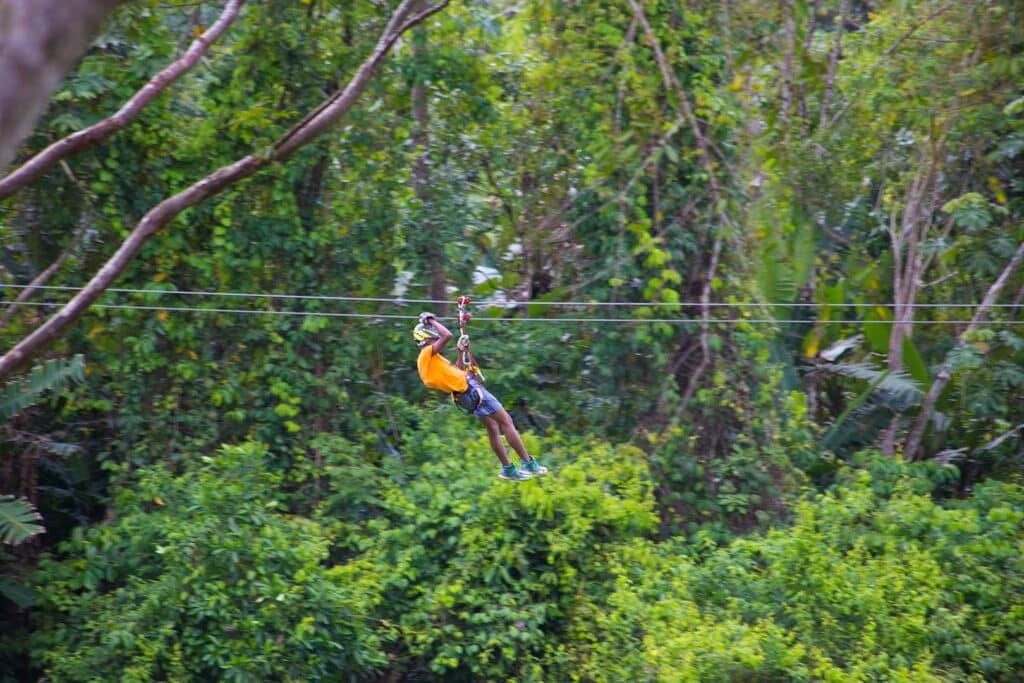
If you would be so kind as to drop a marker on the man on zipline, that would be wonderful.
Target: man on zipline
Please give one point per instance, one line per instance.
(467, 391)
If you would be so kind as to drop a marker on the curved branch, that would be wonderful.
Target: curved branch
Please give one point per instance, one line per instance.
(160, 215)
(44, 277)
(102, 130)
(672, 84)
(946, 372)
(330, 109)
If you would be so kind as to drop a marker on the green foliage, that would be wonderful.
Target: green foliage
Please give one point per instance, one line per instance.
(18, 520)
(475, 576)
(740, 451)
(203, 576)
(860, 587)
(50, 375)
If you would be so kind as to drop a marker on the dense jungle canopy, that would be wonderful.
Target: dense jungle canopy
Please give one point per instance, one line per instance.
(747, 274)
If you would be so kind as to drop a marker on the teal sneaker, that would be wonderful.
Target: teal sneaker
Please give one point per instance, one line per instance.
(509, 471)
(532, 468)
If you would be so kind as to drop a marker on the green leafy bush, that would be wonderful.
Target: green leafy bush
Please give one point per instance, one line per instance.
(860, 587)
(476, 576)
(203, 576)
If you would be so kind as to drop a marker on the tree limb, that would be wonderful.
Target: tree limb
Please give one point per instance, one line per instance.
(787, 63)
(330, 109)
(160, 215)
(946, 372)
(44, 277)
(102, 130)
(705, 316)
(672, 84)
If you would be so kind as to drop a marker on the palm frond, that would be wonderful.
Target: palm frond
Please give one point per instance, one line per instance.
(897, 390)
(52, 374)
(18, 520)
(60, 449)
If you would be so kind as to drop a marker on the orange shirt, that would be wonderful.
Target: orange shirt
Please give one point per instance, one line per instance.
(437, 372)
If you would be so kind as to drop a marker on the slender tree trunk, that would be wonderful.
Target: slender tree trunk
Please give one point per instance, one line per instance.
(308, 192)
(907, 235)
(705, 325)
(946, 372)
(421, 182)
(833, 65)
(789, 27)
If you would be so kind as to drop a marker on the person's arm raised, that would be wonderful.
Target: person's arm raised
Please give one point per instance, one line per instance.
(445, 337)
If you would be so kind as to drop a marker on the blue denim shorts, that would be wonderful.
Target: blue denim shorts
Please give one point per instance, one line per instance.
(488, 404)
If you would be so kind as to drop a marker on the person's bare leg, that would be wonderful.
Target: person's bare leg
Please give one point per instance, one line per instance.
(494, 436)
(503, 419)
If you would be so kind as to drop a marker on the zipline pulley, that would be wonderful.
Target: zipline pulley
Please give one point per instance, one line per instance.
(464, 318)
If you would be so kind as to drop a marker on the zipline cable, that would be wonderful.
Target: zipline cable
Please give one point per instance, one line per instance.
(400, 301)
(386, 316)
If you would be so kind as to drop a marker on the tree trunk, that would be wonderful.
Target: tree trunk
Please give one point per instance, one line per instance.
(907, 235)
(98, 132)
(40, 40)
(433, 243)
(946, 372)
(833, 65)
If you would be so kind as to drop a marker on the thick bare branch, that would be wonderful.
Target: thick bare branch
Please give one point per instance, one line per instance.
(946, 372)
(330, 109)
(160, 215)
(40, 40)
(102, 130)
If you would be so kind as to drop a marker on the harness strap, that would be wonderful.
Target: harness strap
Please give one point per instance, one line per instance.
(468, 400)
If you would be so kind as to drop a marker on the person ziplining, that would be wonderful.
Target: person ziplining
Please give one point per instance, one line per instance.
(465, 383)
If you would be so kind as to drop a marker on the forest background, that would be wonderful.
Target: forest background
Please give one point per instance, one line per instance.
(746, 274)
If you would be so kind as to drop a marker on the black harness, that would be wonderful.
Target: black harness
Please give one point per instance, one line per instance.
(469, 400)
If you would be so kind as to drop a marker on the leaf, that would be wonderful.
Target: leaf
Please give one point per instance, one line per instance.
(1014, 107)
(877, 332)
(903, 389)
(18, 520)
(52, 374)
(19, 594)
(829, 437)
(812, 342)
(915, 365)
(837, 349)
